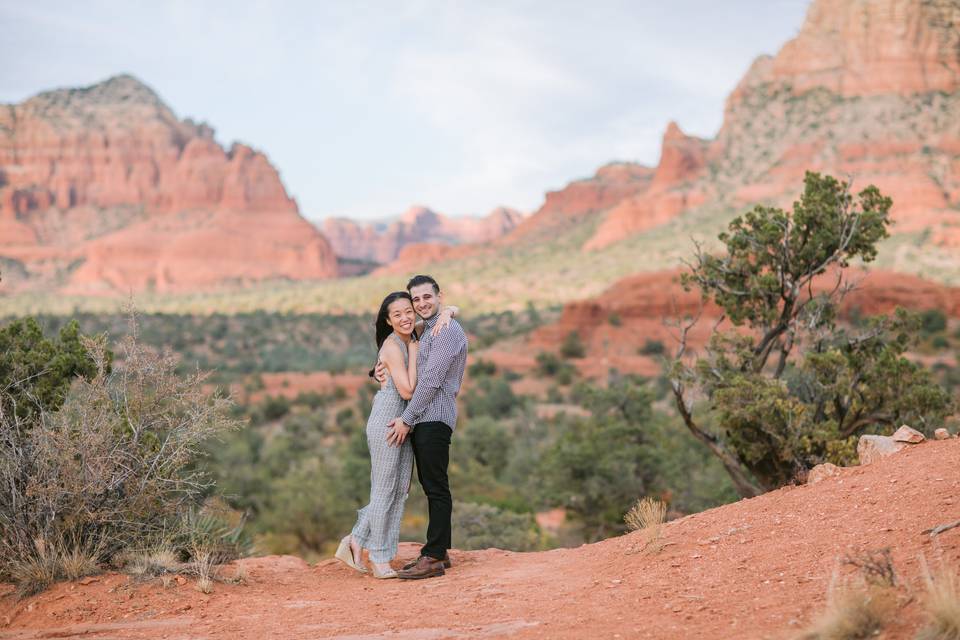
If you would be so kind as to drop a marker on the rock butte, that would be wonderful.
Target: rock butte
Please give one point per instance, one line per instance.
(103, 190)
(868, 89)
(384, 242)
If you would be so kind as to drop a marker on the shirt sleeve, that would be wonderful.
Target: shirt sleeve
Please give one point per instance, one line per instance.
(443, 351)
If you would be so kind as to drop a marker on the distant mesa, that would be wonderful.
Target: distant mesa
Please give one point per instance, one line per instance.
(384, 242)
(103, 190)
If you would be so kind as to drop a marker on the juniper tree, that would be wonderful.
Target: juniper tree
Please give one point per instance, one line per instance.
(788, 386)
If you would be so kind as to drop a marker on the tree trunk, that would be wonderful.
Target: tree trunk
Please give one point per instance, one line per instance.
(740, 477)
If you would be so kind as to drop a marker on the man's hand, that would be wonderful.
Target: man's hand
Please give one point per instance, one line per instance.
(380, 373)
(397, 433)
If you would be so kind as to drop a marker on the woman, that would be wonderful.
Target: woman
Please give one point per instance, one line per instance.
(378, 524)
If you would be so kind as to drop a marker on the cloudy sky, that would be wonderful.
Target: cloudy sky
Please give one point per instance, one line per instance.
(368, 107)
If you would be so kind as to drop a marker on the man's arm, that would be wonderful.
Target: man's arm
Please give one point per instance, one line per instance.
(443, 350)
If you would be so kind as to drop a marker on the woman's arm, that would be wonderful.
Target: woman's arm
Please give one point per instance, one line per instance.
(446, 314)
(392, 358)
(413, 351)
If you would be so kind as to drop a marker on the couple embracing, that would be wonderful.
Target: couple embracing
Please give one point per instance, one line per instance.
(420, 366)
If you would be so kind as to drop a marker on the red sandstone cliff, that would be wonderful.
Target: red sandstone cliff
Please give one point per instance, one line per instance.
(611, 184)
(384, 242)
(868, 89)
(104, 189)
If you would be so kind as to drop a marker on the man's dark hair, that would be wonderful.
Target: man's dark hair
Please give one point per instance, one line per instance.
(416, 281)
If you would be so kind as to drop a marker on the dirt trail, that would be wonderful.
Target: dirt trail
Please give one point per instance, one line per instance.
(758, 568)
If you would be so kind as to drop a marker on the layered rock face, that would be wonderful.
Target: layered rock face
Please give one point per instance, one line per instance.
(384, 242)
(670, 192)
(611, 184)
(873, 47)
(868, 89)
(103, 189)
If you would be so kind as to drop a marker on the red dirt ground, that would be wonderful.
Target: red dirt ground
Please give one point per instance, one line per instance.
(758, 568)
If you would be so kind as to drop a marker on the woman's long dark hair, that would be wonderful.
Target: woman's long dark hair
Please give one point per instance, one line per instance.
(383, 328)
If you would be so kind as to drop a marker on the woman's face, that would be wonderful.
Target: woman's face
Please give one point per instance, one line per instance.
(401, 317)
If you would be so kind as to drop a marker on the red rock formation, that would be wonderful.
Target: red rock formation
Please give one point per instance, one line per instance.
(642, 302)
(868, 89)
(682, 158)
(870, 47)
(420, 254)
(611, 184)
(103, 188)
(382, 242)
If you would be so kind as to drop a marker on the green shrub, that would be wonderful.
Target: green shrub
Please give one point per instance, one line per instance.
(345, 417)
(596, 469)
(109, 469)
(652, 348)
(933, 321)
(482, 367)
(36, 371)
(554, 395)
(491, 397)
(572, 346)
(548, 364)
(486, 441)
(275, 407)
(312, 399)
(480, 526)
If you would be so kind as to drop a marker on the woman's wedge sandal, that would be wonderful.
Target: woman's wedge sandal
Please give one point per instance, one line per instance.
(345, 555)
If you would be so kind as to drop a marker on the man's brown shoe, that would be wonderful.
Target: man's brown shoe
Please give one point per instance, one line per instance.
(424, 567)
(446, 562)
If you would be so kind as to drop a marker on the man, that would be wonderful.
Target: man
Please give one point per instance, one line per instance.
(429, 420)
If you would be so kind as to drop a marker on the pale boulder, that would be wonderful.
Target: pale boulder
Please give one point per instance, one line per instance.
(941, 434)
(821, 472)
(908, 435)
(872, 448)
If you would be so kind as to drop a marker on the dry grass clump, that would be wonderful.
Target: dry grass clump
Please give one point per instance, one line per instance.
(204, 568)
(876, 567)
(942, 604)
(47, 562)
(239, 575)
(855, 611)
(648, 516)
(151, 563)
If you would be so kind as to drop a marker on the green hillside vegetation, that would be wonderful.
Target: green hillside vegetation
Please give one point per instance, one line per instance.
(300, 468)
(237, 346)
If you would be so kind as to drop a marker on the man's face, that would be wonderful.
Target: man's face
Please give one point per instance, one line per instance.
(426, 301)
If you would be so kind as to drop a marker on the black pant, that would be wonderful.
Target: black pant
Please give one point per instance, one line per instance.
(431, 450)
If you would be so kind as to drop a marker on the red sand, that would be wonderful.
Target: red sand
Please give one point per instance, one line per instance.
(759, 568)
